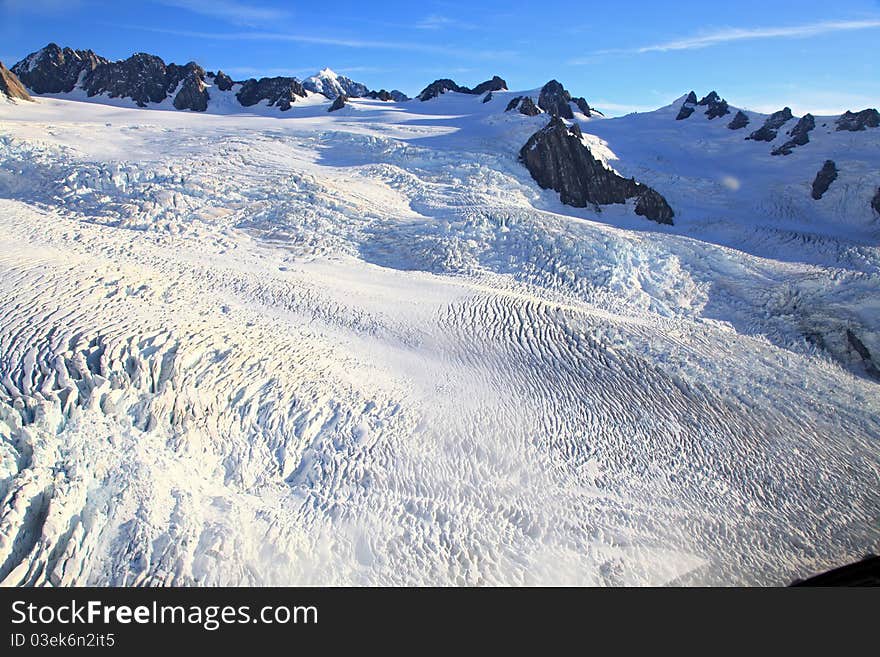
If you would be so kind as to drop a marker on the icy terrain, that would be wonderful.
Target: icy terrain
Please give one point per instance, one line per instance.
(365, 348)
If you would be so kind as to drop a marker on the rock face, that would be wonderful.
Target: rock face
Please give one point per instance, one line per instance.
(495, 84)
(868, 118)
(487, 98)
(554, 100)
(143, 78)
(653, 206)
(584, 107)
(10, 86)
(557, 159)
(54, 70)
(827, 175)
(441, 86)
(740, 120)
(193, 94)
(330, 84)
(280, 92)
(688, 107)
(768, 131)
(525, 105)
(223, 81)
(800, 135)
(875, 202)
(338, 103)
(380, 95)
(398, 96)
(715, 105)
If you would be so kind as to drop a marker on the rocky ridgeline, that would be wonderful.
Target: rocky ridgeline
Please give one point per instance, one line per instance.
(715, 105)
(148, 79)
(10, 86)
(557, 159)
(553, 99)
(770, 129)
(338, 103)
(856, 122)
(445, 85)
(800, 135)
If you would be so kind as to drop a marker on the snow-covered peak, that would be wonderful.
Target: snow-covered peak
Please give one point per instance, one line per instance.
(329, 83)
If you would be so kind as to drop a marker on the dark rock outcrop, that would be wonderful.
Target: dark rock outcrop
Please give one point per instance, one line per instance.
(338, 103)
(740, 120)
(688, 107)
(141, 77)
(380, 95)
(55, 70)
(800, 135)
(875, 202)
(525, 105)
(487, 98)
(653, 206)
(715, 105)
(827, 175)
(280, 92)
(856, 122)
(223, 82)
(768, 131)
(495, 84)
(398, 96)
(193, 94)
(554, 100)
(441, 86)
(557, 159)
(862, 351)
(10, 86)
(584, 107)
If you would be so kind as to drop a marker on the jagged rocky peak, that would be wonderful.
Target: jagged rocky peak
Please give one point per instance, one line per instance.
(141, 77)
(279, 92)
(827, 175)
(330, 84)
(10, 86)
(768, 131)
(192, 93)
(338, 103)
(858, 121)
(800, 135)
(495, 84)
(740, 120)
(398, 96)
(688, 107)
(554, 99)
(557, 159)
(715, 105)
(55, 70)
(444, 85)
(223, 82)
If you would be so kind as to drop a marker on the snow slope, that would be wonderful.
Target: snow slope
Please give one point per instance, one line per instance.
(365, 348)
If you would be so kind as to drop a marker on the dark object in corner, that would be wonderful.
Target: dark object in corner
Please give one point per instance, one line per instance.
(862, 573)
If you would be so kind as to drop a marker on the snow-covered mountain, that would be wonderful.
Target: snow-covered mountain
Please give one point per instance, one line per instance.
(242, 346)
(331, 85)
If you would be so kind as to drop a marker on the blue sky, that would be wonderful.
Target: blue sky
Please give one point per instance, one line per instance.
(622, 56)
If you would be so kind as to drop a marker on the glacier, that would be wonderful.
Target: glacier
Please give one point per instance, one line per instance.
(246, 348)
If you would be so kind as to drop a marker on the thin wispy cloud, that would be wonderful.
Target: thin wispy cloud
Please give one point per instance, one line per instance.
(730, 35)
(437, 22)
(230, 11)
(286, 37)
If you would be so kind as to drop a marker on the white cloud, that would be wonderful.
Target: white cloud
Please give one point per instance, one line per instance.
(729, 35)
(437, 22)
(230, 10)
